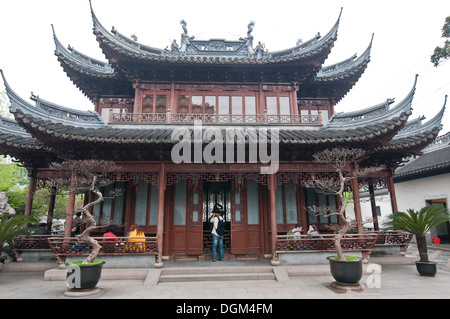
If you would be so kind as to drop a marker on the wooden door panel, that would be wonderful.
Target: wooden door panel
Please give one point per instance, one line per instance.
(238, 242)
(195, 242)
(238, 220)
(195, 219)
(179, 241)
(253, 239)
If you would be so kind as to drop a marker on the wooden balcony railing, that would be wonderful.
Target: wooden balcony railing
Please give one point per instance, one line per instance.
(154, 118)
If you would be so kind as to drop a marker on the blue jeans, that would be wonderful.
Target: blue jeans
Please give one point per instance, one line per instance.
(217, 240)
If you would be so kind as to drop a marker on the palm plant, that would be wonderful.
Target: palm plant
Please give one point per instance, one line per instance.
(11, 227)
(418, 223)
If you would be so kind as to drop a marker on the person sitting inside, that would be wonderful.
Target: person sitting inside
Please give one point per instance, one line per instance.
(312, 231)
(42, 230)
(136, 240)
(109, 235)
(294, 233)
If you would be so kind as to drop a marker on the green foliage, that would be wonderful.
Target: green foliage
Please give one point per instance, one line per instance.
(17, 198)
(11, 175)
(442, 53)
(13, 226)
(41, 200)
(418, 222)
(348, 258)
(80, 263)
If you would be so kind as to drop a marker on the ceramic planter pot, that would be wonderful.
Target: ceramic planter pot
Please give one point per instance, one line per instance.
(346, 272)
(426, 268)
(82, 277)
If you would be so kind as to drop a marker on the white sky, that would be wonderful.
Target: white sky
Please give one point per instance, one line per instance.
(406, 33)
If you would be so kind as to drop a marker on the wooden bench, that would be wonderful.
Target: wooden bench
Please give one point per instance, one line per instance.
(70, 246)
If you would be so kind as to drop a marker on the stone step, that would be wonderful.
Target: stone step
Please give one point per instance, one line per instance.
(28, 266)
(214, 270)
(217, 277)
(217, 274)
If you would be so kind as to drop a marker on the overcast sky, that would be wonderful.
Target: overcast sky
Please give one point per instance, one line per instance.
(405, 35)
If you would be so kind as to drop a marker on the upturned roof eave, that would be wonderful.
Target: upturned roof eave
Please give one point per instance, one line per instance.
(346, 69)
(47, 131)
(81, 62)
(116, 47)
(419, 127)
(51, 111)
(374, 114)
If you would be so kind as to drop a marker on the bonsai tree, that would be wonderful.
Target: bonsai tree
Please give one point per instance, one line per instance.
(418, 223)
(91, 175)
(343, 161)
(11, 227)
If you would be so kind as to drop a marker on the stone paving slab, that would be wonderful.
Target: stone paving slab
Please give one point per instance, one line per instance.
(397, 279)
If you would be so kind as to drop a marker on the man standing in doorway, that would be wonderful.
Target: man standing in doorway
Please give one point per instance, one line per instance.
(217, 233)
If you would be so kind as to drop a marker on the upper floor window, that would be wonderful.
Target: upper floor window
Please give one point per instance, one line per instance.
(278, 105)
(235, 105)
(196, 104)
(154, 103)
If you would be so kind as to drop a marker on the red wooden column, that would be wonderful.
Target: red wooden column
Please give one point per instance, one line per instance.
(273, 215)
(70, 205)
(357, 206)
(160, 219)
(391, 188)
(30, 194)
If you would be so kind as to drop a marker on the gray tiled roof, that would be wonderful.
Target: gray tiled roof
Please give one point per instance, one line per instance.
(213, 51)
(431, 162)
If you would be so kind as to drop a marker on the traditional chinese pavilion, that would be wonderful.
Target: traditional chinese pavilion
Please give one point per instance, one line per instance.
(142, 95)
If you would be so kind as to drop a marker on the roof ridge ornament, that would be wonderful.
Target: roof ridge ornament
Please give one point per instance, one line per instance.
(185, 38)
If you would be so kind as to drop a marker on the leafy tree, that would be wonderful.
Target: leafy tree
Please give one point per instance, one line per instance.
(13, 179)
(11, 175)
(442, 53)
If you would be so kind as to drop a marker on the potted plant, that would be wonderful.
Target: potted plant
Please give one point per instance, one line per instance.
(419, 224)
(345, 270)
(90, 175)
(10, 228)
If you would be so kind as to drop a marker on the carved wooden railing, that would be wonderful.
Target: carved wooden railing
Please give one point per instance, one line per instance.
(325, 243)
(29, 243)
(393, 238)
(213, 118)
(70, 246)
